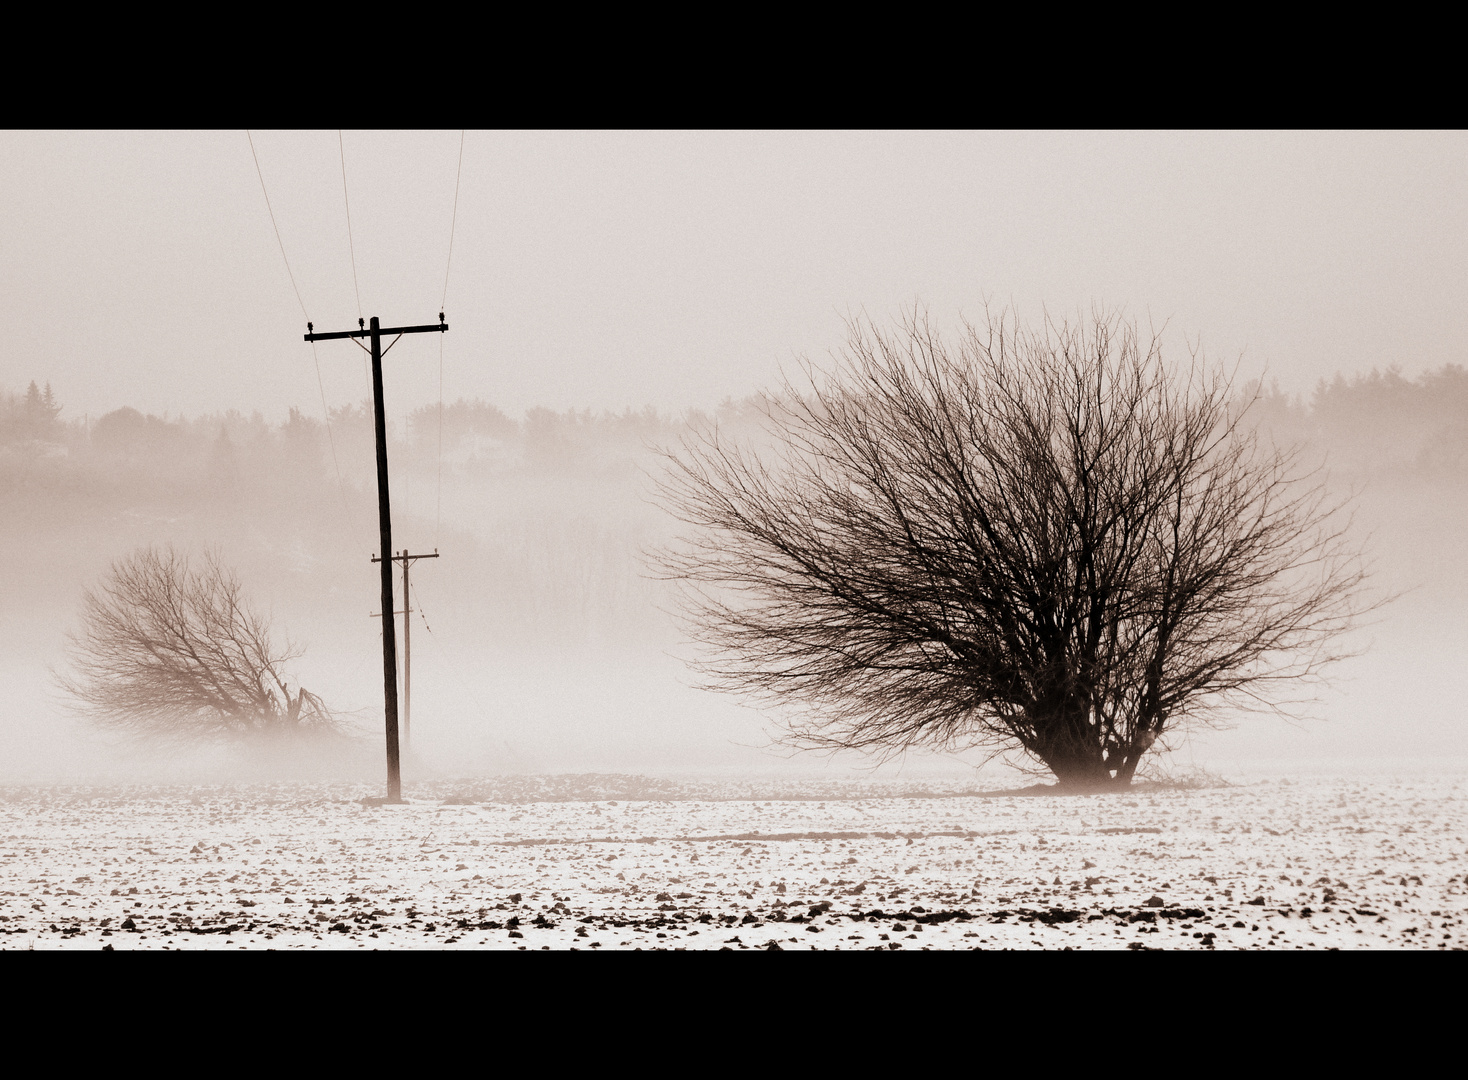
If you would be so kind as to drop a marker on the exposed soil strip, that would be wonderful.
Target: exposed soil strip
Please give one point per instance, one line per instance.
(751, 837)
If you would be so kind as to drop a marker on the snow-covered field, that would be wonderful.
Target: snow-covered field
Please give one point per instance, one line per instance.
(622, 863)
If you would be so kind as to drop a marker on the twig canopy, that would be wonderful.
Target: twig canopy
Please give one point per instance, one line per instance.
(169, 649)
(1048, 540)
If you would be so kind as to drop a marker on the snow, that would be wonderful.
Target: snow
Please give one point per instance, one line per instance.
(623, 863)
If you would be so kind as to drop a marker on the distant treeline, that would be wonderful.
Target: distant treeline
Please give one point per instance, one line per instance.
(546, 513)
(1381, 422)
(216, 447)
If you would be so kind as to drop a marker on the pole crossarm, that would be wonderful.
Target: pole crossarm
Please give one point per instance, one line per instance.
(432, 328)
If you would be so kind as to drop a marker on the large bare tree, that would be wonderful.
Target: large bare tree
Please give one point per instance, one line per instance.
(1047, 540)
(170, 649)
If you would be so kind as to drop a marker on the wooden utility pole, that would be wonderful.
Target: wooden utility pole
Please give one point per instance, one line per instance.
(384, 521)
(407, 612)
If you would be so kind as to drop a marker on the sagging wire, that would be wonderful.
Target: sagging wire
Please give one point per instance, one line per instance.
(352, 246)
(452, 223)
(448, 264)
(275, 226)
(320, 385)
(452, 665)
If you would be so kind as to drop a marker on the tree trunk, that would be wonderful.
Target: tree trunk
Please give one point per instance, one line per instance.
(1073, 749)
(1140, 745)
(1071, 746)
(1082, 773)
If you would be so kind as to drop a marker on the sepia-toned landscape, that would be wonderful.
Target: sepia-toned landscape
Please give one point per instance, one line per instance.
(767, 572)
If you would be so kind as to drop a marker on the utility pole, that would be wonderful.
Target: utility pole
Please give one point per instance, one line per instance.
(384, 521)
(407, 612)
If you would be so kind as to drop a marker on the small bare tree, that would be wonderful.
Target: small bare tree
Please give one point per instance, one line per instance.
(1051, 541)
(169, 650)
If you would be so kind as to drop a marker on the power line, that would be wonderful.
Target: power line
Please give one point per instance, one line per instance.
(347, 200)
(453, 222)
(453, 664)
(352, 246)
(276, 227)
(325, 412)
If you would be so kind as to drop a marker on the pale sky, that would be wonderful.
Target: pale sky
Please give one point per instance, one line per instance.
(615, 269)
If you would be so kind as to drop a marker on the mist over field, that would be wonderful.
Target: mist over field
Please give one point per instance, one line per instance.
(605, 288)
(541, 641)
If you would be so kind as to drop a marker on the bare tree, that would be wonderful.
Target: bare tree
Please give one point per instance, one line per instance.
(1049, 541)
(167, 649)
